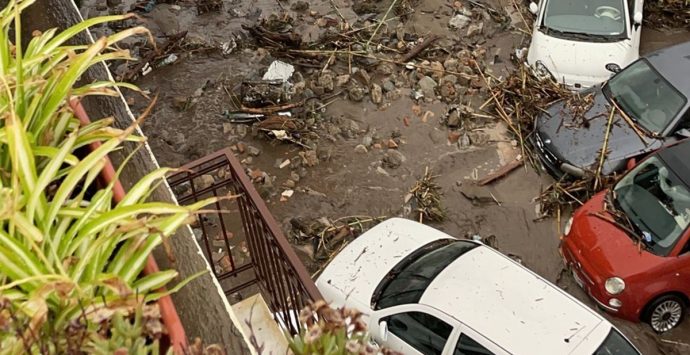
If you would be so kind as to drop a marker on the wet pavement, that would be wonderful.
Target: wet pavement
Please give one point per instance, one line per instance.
(349, 182)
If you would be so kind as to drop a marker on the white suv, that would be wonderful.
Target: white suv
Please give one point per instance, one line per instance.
(581, 43)
(424, 292)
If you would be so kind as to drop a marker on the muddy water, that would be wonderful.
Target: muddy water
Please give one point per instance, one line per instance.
(345, 183)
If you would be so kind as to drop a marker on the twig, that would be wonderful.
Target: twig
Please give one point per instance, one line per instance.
(419, 48)
(381, 22)
(604, 148)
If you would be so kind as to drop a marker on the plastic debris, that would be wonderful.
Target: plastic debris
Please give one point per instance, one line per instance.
(279, 71)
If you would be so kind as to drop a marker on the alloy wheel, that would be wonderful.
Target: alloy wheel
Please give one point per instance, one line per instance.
(666, 315)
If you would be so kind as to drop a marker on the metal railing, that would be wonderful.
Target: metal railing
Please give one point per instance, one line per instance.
(256, 252)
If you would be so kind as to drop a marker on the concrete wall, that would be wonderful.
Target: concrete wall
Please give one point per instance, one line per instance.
(202, 306)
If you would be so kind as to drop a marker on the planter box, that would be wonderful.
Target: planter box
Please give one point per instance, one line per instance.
(177, 339)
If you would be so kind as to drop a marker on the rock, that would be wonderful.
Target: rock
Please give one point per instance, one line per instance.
(356, 93)
(367, 141)
(437, 70)
(427, 86)
(376, 94)
(361, 149)
(392, 144)
(113, 3)
(342, 80)
(227, 128)
(254, 151)
(206, 180)
(451, 64)
(300, 6)
(447, 90)
(294, 176)
(475, 29)
(362, 77)
(241, 147)
(326, 82)
(450, 78)
(180, 103)
(388, 85)
(464, 141)
(454, 136)
(309, 158)
(479, 138)
(241, 130)
(385, 69)
(453, 119)
(393, 159)
(289, 183)
(459, 21)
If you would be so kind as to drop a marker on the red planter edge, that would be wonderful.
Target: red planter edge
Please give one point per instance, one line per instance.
(176, 333)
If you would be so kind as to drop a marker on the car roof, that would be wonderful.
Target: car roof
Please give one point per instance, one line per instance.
(671, 63)
(676, 157)
(514, 307)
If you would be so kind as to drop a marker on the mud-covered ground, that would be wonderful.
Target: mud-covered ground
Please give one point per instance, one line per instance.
(367, 156)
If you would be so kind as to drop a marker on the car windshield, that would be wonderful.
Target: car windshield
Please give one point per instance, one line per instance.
(410, 277)
(616, 344)
(597, 18)
(656, 202)
(645, 96)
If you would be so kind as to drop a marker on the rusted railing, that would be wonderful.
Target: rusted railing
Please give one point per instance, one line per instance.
(242, 240)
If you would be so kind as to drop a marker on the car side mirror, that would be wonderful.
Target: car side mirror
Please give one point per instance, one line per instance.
(534, 8)
(684, 132)
(383, 330)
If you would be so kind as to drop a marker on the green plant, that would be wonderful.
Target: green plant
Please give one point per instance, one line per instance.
(328, 331)
(69, 256)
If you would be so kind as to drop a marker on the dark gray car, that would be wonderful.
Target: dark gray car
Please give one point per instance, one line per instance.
(653, 92)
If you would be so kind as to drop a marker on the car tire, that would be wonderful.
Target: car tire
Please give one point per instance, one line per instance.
(665, 313)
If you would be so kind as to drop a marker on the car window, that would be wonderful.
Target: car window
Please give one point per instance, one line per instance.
(410, 277)
(601, 18)
(468, 346)
(421, 331)
(657, 203)
(616, 344)
(645, 96)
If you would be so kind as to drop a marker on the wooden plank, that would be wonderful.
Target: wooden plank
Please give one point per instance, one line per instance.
(503, 171)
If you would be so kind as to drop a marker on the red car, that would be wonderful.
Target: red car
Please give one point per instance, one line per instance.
(629, 246)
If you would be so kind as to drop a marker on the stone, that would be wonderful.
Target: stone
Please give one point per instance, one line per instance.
(361, 149)
(362, 77)
(241, 147)
(459, 21)
(464, 141)
(241, 130)
(437, 70)
(356, 93)
(427, 86)
(367, 141)
(393, 159)
(113, 3)
(342, 80)
(376, 94)
(385, 69)
(388, 85)
(450, 78)
(479, 138)
(309, 158)
(454, 136)
(451, 64)
(447, 90)
(205, 181)
(289, 183)
(326, 82)
(392, 144)
(475, 29)
(294, 176)
(453, 119)
(227, 128)
(180, 103)
(253, 151)
(300, 6)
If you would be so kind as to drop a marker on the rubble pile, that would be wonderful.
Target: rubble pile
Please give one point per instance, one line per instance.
(667, 13)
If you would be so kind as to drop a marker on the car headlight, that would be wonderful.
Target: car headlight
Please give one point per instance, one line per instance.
(568, 225)
(614, 285)
(542, 70)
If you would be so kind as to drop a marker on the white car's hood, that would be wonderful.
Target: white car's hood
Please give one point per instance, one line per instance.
(353, 275)
(578, 62)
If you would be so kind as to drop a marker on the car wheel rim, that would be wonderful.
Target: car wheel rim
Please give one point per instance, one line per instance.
(666, 316)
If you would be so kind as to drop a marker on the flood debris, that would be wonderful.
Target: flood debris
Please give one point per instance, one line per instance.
(424, 199)
(321, 238)
(501, 172)
(667, 13)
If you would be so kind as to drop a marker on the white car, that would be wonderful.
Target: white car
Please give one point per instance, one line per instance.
(425, 292)
(581, 43)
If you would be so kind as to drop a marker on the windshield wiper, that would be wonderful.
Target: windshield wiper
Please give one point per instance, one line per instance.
(577, 35)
